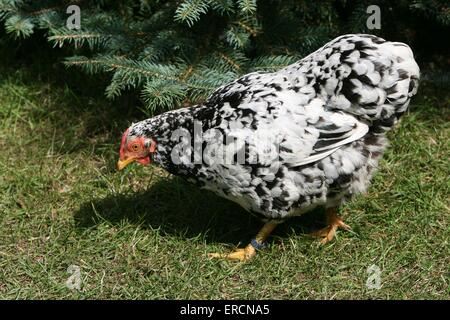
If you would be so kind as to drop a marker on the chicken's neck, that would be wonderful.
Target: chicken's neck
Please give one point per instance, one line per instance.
(175, 137)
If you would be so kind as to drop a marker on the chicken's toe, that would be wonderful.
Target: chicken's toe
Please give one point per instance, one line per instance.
(243, 254)
(329, 232)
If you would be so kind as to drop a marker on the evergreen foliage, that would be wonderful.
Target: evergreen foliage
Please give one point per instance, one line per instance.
(177, 52)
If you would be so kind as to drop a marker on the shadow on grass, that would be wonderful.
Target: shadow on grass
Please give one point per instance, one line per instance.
(71, 111)
(177, 208)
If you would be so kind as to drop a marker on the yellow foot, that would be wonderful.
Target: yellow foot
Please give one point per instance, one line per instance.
(244, 254)
(334, 222)
(249, 251)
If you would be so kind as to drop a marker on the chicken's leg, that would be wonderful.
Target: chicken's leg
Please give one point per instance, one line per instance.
(334, 222)
(245, 254)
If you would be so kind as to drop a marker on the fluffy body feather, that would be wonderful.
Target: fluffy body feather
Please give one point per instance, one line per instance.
(326, 115)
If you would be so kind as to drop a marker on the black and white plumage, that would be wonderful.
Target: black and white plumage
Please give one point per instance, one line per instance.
(327, 114)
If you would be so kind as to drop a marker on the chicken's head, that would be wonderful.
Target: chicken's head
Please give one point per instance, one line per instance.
(135, 148)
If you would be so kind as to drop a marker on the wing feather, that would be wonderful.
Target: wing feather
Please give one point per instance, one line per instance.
(340, 130)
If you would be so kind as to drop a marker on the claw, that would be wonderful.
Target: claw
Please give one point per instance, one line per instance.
(242, 255)
(334, 222)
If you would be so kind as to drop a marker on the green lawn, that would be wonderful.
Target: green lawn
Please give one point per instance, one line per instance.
(143, 234)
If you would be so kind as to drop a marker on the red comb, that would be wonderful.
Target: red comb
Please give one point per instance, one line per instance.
(122, 144)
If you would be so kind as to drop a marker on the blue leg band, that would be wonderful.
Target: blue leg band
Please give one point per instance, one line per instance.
(258, 246)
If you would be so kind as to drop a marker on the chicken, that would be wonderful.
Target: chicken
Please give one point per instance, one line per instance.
(280, 144)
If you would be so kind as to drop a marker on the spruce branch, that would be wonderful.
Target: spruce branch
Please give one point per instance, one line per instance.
(222, 6)
(190, 10)
(247, 6)
(272, 63)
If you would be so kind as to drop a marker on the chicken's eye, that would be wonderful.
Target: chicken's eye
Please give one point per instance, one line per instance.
(135, 147)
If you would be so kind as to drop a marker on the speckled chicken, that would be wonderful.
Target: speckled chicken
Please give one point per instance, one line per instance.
(282, 143)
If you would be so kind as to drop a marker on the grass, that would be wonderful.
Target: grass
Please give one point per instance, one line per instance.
(143, 234)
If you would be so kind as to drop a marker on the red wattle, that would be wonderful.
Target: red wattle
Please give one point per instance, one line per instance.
(144, 161)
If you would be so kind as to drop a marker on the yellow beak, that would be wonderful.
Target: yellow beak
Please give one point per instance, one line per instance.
(123, 163)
